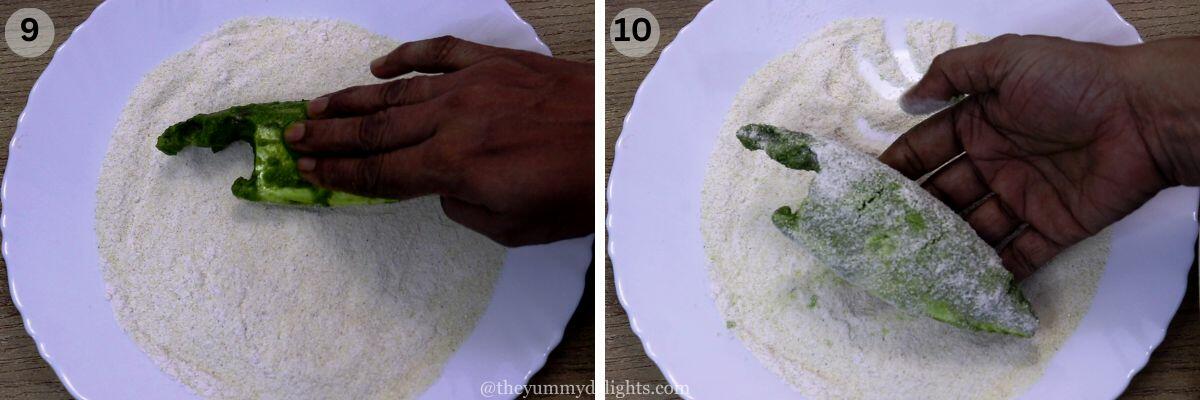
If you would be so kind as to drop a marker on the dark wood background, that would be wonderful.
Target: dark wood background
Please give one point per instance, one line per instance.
(1174, 369)
(566, 26)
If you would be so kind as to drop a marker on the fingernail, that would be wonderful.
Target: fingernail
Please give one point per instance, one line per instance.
(306, 164)
(918, 106)
(317, 106)
(377, 64)
(294, 133)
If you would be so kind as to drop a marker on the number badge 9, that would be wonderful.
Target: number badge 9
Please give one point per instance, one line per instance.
(29, 32)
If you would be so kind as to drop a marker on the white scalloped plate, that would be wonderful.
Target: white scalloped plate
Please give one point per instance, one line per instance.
(54, 163)
(654, 199)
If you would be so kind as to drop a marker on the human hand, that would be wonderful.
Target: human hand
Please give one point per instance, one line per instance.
(504, 137)
(1061, 138)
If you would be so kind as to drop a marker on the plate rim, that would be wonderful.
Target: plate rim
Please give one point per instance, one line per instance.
(27, 321)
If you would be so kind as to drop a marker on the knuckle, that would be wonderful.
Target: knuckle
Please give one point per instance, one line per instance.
(1006, 38)
(403, 48)
(439, 49)
(372, 131)
(395, 92)
(365, 175)
(339, 97)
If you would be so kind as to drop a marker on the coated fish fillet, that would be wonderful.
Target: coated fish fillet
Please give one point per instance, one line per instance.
(885, 234)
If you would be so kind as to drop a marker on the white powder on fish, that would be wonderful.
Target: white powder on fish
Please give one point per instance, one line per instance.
(243, 300)
(825, 338)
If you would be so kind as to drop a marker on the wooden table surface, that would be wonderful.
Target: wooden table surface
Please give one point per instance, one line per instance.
(566, 26)
(1174, 369)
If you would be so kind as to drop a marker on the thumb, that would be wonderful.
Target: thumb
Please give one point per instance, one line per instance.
(978, 68)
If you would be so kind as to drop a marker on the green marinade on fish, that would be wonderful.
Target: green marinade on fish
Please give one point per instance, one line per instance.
(275, 178)
(885, 234)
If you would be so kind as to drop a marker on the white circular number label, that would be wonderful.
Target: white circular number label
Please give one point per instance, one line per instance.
(634, 32)
(29, 32)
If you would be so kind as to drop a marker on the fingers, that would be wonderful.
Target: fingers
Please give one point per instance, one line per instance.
(366, 99)
(443, 54)
(960, 186)
(971, 69)
(399, 174)
(385, 130)
(1028, 251)
(992, 221)
(957, 184)
(925, 147)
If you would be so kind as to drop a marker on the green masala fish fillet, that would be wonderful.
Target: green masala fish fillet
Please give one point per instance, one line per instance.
(883, 233)
(275, 178)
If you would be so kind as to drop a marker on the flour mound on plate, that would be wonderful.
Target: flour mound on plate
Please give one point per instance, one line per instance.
(827, 339)
(245, 300)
